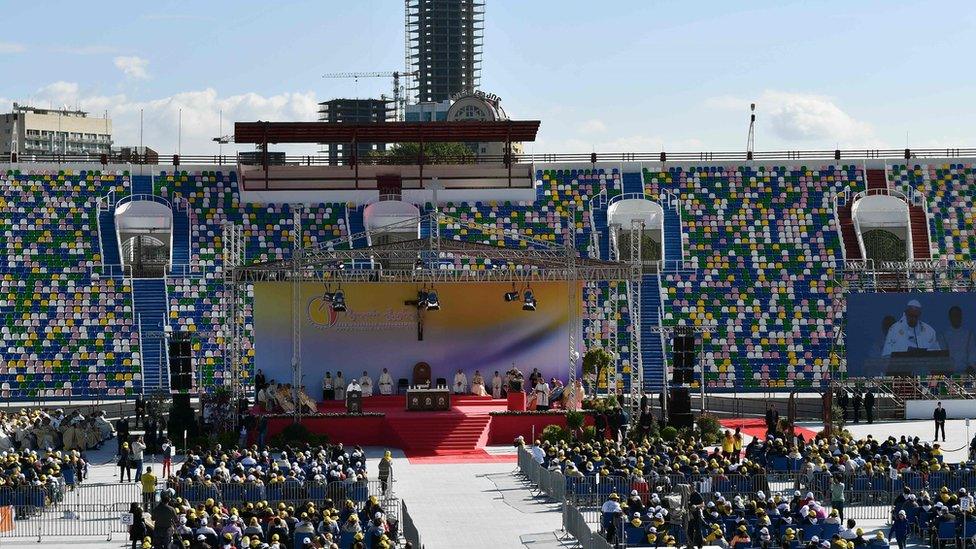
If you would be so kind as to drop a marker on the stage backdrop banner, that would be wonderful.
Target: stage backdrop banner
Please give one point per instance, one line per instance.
(910, 333)
(475, 329)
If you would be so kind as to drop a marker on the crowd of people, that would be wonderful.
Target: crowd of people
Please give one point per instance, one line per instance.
(175, 522)
(296, 520)
(733, 501)
(42, 429)
(252, 465)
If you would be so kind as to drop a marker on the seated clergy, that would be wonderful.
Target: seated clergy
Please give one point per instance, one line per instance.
(460, 383)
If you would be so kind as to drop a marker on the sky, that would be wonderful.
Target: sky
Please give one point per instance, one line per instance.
(612, 76)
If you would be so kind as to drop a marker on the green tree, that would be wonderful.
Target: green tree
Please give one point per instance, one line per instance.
(434, 153)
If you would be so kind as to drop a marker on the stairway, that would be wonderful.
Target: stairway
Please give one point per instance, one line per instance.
(920, 233)
(852, 249)
(149, 304)
(109, 238)
(142, 184)
(441, 432)
(652, 354)
(877, 180)
(601, 228)
(672, 233)
(633, 183)
(357, 227)
(181, 237)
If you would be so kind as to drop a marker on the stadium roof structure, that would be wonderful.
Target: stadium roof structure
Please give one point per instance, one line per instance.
(388, 132)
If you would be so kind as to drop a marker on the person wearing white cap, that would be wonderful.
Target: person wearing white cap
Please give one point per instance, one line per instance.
(910, 332)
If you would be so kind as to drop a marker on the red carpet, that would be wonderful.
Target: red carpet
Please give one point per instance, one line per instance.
(756, 427)
(448, 457)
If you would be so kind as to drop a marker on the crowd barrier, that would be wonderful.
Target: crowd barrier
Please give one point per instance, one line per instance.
(583, 523)
(89, 510)
(97, 510)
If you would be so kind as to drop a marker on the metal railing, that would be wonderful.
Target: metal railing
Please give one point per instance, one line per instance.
(96, 510)
(89, 510)
(906, 155)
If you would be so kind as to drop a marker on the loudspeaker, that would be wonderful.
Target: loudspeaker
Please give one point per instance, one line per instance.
(679, 408)
(683, 353)
(181, 418)
(180, 362)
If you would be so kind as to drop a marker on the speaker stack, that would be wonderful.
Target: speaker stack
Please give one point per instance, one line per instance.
(180, 362)
(679, 408)
(181, 415)
(683, 359)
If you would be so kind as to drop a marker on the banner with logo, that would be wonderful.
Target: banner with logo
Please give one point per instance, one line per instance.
(475, 329)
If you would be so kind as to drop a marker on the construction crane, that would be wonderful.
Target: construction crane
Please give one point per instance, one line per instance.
(399, 95)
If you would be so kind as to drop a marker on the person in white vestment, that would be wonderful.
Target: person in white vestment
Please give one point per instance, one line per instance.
(367, 384)
(386, 383)
(960, 342)
(460, 383)
(340, 386)
(910, 332)
(496, 386)
(478, 384)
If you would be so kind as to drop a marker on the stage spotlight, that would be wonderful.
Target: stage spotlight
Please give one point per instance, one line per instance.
(528, 300)
(432, 303)
(339, 301)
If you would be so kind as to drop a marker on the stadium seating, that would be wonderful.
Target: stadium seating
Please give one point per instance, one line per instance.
(761, 240)
(948, 189)
(64, 329)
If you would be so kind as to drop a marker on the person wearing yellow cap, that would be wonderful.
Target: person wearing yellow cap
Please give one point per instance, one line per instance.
(741, 536)
(385, 470)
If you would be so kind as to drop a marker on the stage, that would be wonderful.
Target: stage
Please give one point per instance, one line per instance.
(464, 430)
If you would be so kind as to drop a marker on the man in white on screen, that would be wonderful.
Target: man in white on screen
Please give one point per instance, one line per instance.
(366, 383)
(960, 343)
(460, 383)
(542, 394)
(910, 332)
(386, 383)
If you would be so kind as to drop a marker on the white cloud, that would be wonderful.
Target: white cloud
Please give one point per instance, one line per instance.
(592, 125)
(201, 111)
(10, 47)
(132, 66)
(802, 117)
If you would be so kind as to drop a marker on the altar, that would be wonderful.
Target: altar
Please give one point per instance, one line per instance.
(425, 399)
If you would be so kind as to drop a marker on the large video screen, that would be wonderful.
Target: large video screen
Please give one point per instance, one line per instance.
(475, 329)
(910, 334)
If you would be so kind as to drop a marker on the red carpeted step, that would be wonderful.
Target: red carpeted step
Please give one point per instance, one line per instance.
(440, 432)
